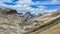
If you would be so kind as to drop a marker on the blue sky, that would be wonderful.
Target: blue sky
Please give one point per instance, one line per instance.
(49, 4)
(34, 6)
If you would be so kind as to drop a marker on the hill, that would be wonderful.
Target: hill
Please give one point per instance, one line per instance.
(10, 22)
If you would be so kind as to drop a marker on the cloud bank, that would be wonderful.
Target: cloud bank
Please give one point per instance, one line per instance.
(34, 6)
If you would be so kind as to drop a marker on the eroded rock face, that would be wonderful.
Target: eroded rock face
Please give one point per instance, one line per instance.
(9, 23)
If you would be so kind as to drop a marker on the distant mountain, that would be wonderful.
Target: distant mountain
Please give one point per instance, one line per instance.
(27, 15)
(48, 16)
(8, 11)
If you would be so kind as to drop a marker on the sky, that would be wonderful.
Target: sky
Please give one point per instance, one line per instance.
(33, 6)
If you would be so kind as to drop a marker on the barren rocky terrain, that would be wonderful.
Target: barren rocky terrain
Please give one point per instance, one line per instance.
(9, 24)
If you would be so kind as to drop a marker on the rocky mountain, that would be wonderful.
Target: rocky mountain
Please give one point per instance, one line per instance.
(10, 21)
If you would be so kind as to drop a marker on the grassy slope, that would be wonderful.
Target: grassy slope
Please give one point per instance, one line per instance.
(53, 30)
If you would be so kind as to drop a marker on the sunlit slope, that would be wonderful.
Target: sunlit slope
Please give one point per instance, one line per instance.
(53, 30)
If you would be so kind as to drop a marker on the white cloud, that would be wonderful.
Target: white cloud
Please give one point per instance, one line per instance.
(54, 1)
(51, 10)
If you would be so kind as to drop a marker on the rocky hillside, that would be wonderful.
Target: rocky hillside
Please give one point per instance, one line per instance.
(52, 26)
(9, 22)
